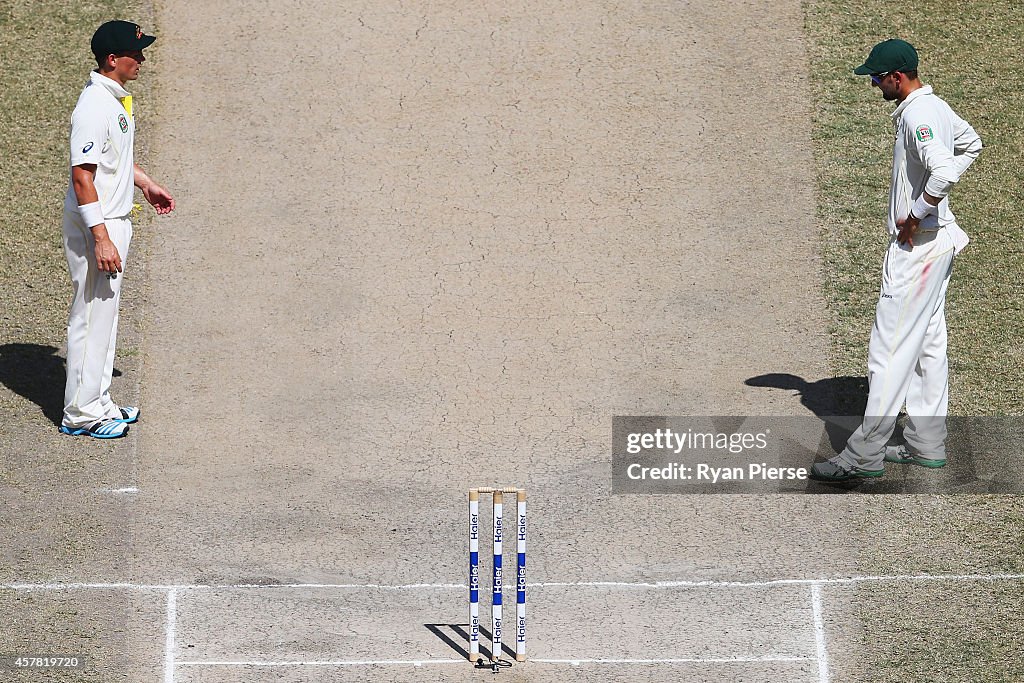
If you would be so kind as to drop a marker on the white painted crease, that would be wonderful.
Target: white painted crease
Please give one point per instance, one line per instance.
(819, 633)
(23, 586)
(340, 662)
(424, 662)
(783, 582)
(673, 660)
(172, 625)
(90, 586)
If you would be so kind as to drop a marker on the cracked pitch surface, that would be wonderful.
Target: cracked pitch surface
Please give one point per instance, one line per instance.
(439, 250)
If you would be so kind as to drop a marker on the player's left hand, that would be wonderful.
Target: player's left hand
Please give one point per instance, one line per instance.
(160, 198)
(908, 228)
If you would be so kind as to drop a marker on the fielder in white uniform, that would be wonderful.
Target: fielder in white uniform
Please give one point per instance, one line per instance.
(98, 229)
(907, 363)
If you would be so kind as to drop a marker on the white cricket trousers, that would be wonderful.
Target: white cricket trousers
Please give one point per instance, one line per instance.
(907, 362)
(92, 323)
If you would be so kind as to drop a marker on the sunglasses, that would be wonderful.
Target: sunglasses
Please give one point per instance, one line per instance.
(877, 79)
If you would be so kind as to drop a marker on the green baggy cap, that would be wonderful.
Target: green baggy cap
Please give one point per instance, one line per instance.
(889, 55)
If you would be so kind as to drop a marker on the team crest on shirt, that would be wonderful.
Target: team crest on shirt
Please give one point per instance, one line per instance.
(123, 122)
(924, 133)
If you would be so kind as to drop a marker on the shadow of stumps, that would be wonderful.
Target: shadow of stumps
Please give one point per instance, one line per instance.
(460, 642)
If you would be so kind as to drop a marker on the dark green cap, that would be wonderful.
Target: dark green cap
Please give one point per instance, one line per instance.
(119, 36)
(889, 55)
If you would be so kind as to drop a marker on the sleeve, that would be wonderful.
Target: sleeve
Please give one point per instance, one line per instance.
(936, 158)
(966, 145)
(88, 136)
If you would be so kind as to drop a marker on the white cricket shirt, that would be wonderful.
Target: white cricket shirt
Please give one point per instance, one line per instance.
(103, 133)
(933, 148)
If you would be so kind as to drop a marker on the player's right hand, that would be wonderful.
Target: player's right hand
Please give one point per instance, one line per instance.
(908, 228)
(107, 258)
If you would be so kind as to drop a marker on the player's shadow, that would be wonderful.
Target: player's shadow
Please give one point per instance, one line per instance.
(36, 372)
(456, 637)
(838, 401)
(830, 397)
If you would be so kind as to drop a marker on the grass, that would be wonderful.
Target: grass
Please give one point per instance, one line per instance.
(983, 644)
(971, 54)
(973, 59)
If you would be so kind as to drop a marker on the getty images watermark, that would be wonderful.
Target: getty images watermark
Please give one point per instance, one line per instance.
(748, 454)
(701, 455)
(701, 467)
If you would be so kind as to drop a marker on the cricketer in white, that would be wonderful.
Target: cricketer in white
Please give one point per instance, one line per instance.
(98, 230)
(907, 361)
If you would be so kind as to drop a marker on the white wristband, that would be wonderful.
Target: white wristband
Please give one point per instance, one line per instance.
(92, 214)
(922, 208)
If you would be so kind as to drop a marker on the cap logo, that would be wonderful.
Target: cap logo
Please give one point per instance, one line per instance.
(924, 133)
(138, 32)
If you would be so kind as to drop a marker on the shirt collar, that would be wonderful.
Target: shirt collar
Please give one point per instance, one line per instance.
(115, 88)
(920, 92)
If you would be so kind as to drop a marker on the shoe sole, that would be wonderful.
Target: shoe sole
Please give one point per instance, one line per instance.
(923, 462)
(85, 432)
(856, 475)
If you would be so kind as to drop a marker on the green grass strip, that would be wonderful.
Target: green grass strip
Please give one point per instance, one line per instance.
(971, 53)
(44, 63)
